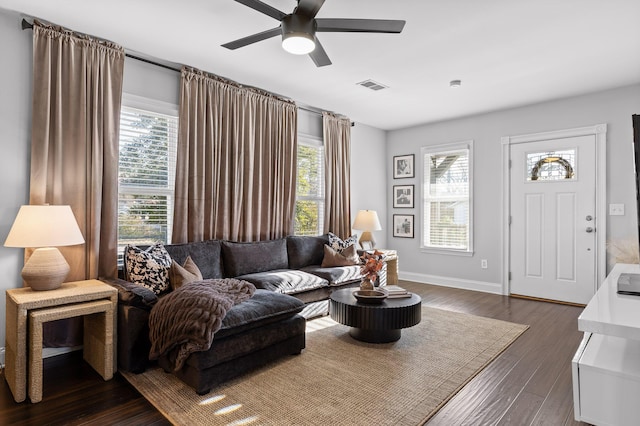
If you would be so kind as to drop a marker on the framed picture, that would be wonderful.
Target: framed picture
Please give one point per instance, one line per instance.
(403, 166)
(403, 225)
(403, 196)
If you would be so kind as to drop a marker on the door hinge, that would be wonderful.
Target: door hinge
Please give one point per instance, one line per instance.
(509, 220)
(509, 276)
(509, 163)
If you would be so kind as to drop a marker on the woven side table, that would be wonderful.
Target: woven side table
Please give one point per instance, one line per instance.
(72, 297)
(97, 344)
(391, 258)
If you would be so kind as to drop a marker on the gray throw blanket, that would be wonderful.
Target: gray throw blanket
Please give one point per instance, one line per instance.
(188, 317)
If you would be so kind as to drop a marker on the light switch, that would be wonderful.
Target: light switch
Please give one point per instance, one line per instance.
(616, 209)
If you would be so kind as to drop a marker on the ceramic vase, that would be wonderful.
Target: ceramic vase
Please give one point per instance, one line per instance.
(366, 284)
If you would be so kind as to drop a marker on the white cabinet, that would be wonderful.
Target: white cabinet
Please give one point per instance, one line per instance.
(606, 366)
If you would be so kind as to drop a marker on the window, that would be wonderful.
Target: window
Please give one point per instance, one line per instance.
(146, 172)
(309, 215)
(447, 191)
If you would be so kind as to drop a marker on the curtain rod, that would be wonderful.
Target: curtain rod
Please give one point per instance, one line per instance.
(28, 26)
(319, 112)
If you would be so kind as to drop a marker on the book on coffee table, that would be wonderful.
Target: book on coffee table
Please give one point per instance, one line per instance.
(395, 291)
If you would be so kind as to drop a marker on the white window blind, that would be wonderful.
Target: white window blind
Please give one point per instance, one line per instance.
(447, 198)
(146, 176)
(309, 214)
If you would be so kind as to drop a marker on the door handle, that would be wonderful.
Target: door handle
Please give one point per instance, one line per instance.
(589, 218)
(589, 230)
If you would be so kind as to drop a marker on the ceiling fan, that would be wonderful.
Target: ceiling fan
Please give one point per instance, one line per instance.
(298, 29)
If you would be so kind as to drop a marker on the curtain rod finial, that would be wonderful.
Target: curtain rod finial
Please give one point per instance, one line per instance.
(26, 25)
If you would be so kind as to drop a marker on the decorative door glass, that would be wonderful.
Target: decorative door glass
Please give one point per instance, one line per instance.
(551, 165)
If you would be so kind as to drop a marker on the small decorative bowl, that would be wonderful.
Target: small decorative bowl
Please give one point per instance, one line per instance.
(372, 297)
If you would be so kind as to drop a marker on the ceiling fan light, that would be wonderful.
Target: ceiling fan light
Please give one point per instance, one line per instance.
(298, 34)
(298, 44)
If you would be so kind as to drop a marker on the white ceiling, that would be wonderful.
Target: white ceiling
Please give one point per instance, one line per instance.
(506, 52)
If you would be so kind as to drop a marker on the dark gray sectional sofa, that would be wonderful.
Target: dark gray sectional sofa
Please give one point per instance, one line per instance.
(291, 286)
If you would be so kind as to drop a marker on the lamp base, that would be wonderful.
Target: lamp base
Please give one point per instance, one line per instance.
(367, 242)
(46, 269)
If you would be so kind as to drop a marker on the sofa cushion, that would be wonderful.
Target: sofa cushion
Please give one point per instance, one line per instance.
(148, 268)
(338, 275)
(262, 308)
(305, 250)
(338, 244)
(248, 258)
(181, 275)
(205, 254)
(287, 281)
(348, 257)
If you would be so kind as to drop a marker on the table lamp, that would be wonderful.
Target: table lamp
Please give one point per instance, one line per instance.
(367, 221)
(43, 228)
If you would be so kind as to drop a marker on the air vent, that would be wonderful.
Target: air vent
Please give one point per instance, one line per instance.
(373, 85)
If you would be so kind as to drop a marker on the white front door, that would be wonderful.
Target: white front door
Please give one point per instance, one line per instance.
(553, 219)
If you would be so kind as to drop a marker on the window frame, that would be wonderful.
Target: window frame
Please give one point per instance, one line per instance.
(315, 142)
(152, 106)
(443, 149)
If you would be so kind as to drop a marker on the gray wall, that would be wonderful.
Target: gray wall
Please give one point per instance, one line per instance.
(369, 176)
(613, 107)
(15, 145)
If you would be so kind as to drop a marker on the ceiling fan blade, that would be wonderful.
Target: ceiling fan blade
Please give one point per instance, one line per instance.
(241, 42)
(319, 56)
(263, 8)
(359, 25)
(309, 8)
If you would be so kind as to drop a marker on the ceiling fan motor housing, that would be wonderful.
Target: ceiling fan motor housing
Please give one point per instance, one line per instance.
(294, 25)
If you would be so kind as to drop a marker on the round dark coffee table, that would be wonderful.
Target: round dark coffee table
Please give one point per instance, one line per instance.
(381, 323)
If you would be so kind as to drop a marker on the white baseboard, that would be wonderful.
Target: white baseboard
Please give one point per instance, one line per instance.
(46, 352)
(483, 286)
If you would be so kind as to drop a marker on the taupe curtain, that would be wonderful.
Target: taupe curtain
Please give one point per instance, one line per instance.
(77, 91)
(236, 162)
(336, 132)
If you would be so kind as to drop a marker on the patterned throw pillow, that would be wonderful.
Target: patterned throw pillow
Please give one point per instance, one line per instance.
(148, 268)
(181, 275)
(338, 244)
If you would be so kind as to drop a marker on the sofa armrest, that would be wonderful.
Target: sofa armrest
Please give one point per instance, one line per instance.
(132, 294)
(133, 339)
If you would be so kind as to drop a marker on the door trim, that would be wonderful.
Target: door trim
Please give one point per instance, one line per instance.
(600, 133)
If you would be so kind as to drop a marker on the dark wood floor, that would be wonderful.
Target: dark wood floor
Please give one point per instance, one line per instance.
(528, 384)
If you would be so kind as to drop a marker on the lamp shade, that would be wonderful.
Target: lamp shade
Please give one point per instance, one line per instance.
(367, 220)
(44, 226)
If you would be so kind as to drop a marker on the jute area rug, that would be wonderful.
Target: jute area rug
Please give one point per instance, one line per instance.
(340, 381)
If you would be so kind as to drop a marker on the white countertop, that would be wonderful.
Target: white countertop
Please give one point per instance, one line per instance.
(611, 313)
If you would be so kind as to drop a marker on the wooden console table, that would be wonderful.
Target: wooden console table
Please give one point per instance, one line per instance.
(606, 366)
(27, 310)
